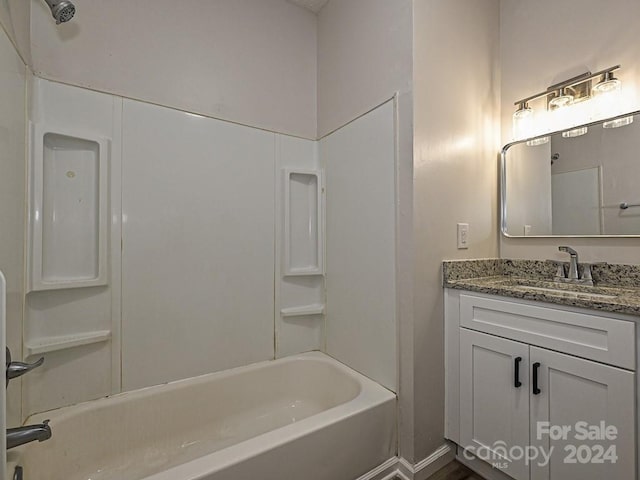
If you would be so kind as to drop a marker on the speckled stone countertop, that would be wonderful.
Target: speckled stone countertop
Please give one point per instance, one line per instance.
(616, 290)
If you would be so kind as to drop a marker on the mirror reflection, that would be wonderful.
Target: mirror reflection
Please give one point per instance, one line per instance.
(585, 181)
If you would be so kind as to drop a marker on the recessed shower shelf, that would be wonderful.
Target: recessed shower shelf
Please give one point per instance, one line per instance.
(304, 310)
(68, 204)
(64, 342)
(303, 223)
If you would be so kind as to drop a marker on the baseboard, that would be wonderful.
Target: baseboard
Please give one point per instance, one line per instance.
(399, 467)
(386, 471)
(428, 466)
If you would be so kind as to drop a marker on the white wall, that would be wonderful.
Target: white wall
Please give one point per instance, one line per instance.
(198, 245)
(248, 61)
(12, 187)
(361, 314)
(364, 55)
(539, 49)
(456, 142)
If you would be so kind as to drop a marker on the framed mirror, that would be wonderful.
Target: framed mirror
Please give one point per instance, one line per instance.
(580, 182)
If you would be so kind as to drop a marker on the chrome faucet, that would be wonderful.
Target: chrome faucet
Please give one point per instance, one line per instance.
(573, 275)
(17, 369)
(30, 433)
(23, 435)
(573, 262)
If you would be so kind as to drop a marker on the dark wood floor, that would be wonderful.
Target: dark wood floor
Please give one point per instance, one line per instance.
(455, 471)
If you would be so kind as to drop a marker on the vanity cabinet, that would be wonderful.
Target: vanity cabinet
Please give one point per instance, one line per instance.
(516, 369)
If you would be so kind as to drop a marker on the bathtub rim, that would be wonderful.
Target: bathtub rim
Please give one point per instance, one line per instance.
(72, 410)
(371, 395)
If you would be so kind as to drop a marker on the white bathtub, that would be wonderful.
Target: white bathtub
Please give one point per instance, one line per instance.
(303, 417)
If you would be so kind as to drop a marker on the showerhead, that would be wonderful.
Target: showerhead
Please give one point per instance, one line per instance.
(62, 10)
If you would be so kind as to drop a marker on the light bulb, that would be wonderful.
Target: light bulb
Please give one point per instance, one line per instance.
(522, 121)
(607, 96)
(608, 84)
(563, 99)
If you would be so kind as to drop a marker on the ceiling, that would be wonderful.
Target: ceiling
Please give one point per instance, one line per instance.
(313, 5)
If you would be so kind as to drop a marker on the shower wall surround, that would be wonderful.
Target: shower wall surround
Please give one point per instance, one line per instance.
(361, 290)
(198, 245)
(73, 374)
(299, 269)
(197, 279)
(12, 180)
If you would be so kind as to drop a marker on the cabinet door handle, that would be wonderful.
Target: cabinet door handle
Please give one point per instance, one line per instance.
(536, 388)
(516, 376)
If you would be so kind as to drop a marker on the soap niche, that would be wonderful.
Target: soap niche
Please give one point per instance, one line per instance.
(68, 210)
(303, 223)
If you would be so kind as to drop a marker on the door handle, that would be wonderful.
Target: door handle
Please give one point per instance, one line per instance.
(536, 387)
(516, 375)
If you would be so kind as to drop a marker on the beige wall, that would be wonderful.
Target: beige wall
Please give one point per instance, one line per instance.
(364, 56)
(12, 185)
(539, 49)
(455, 169)
(14, 18)
(248, 61)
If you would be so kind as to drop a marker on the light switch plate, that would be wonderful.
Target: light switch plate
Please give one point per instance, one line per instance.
(463, 236)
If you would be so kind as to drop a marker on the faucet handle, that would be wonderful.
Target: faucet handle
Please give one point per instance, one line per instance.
(587, 272)
(569, 250)
(559, 268)
(17, 369)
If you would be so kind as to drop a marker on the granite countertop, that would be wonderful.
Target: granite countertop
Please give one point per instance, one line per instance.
(616, 290)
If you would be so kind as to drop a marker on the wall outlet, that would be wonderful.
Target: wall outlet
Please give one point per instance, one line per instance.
(463, 236)
(527, 230)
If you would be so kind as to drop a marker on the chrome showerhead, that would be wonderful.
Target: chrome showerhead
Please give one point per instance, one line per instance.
(62, 10)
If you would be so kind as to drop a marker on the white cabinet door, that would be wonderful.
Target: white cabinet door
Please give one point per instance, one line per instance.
(571, 390)
(494, 403)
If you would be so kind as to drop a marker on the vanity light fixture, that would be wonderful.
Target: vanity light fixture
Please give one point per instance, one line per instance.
(564, 94)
